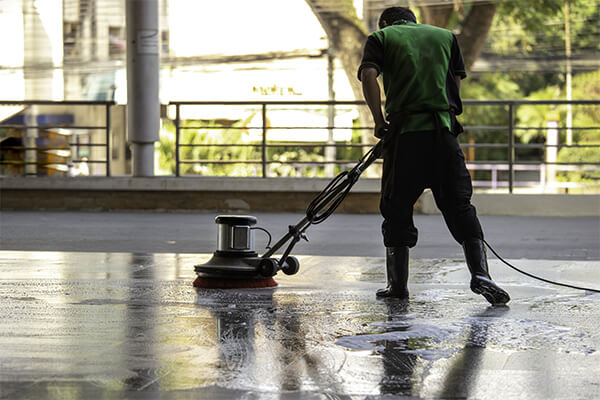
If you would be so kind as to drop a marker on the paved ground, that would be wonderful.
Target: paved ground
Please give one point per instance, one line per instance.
(97, 305)
(340, 235)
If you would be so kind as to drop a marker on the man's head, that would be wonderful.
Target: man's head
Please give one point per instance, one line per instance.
(393, 14)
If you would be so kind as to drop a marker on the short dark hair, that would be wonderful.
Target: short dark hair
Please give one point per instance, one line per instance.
(393, 14)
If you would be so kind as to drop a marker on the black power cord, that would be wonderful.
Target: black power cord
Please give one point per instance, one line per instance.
(268, 246)
(326, 202)
(537, 277)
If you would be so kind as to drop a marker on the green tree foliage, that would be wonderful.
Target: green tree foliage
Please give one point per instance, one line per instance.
(210, 148)
(538, 26)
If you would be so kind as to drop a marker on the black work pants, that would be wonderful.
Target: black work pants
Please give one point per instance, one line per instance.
(427, 160)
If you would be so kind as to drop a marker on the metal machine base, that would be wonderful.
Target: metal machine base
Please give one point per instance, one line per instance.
(235, 264)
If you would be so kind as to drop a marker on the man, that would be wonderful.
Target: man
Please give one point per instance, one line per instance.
(422, 67)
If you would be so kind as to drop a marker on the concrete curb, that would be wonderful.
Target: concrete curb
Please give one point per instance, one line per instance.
(158, 183)
(532, 205)
(252, 194)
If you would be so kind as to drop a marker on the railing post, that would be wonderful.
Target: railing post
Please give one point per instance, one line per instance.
(264, 140)
(108, 130)
(177, 121)
(511, 149)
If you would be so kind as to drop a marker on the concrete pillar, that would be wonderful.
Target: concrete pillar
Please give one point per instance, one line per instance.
(143, 108)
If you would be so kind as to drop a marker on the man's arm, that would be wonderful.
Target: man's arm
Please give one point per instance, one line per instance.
(457, 78)
(372, 93)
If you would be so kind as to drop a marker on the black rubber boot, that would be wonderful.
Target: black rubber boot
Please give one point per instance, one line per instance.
(396, 263)
(481, 281)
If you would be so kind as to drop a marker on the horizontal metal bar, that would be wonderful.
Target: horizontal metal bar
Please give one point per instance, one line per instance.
(319, 144)
(530, 163)
(527, 128)
(52, 148)
(220, 145)
(66, 127)
(268, 162)
(29, 163)
(560, 146)
(484, 145)
(530, 102)
(564, 163)
(57, 103)
(32, 148)
(357, 102)
(528, 145)
(220, 127)
(14, 162)
(277, 145)
(558, 128)
(275, 127)
(272, 103)
(528, 167)
(485, 128)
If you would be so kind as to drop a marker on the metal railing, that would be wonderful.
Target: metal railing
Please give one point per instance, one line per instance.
(264, 128)
(265, 148)
(21, 152)
(508, 166)
(513, 164)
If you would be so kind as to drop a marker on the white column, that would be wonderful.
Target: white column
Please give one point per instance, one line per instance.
(143, 109)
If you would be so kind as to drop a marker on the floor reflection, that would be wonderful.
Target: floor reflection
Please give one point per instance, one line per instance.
(400, 359)
(292, 337)
(463, 373)
(140, 333)
(238, 315)
(269, 344)
(398, 364)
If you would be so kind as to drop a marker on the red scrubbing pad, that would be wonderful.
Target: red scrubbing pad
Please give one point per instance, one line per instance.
(213, 283)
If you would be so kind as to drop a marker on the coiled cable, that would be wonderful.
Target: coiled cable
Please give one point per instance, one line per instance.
(326, 202)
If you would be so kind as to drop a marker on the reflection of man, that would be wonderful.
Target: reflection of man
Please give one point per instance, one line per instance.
(398, 363)
(464, 370)
(422, 67)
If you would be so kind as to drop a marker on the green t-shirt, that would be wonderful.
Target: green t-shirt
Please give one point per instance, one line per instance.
(418, 64)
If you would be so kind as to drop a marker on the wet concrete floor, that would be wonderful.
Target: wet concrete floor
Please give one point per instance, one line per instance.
(81, 325)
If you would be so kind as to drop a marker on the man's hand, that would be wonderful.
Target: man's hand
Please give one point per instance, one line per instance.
(381, 129)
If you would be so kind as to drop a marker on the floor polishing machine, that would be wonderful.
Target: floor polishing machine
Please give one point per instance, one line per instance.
(235, 263)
